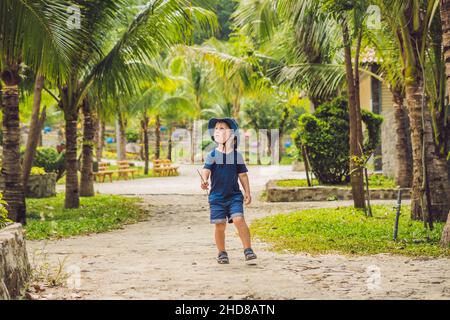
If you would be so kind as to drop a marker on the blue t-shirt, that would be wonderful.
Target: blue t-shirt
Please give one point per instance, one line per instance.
(225, 169)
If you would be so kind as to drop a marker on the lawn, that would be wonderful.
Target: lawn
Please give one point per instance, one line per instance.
(47, 217)
(347, 230)
(375, 181)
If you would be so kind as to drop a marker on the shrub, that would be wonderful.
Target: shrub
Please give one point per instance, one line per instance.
(50, 160)
(325, 134)
(3, 213)
(37, 171)
(132, 136)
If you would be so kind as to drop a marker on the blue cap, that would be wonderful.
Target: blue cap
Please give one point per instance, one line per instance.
(231, 123)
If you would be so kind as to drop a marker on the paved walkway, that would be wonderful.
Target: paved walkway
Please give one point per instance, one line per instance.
(172, 255)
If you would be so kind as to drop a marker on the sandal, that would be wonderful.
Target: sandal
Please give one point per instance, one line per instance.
(223, 258)
(249, 254)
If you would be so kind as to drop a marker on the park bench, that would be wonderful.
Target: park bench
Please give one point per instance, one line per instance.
(103, 170)
(124, 169)
(164, 167)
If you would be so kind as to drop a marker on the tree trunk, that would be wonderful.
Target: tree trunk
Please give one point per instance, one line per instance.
(36, 124)
(403, 172)
(157, 138)
(101, 140)
(169, 145)
(445, 239)
(436, 169)
(356, 176)
(72, 189)
(269, 143)
(121, 138)
(87, 175)
(192, 133)
(144, 125)
(445, 17)
(14, 193)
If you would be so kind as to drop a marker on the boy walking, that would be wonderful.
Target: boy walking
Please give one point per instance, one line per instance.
(226, 166)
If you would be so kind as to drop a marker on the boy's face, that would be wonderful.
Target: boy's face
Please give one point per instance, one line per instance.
(222, 132)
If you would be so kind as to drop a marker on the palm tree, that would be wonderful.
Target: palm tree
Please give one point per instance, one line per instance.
(384, 40)
(262, 18)
(112, 62)
(32, 33)
(37, 120)
(445, 18)
(87, 175)
(430, 188)
(167, 98)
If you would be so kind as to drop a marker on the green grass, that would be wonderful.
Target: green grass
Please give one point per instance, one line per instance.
(347, 230)
(48, 219)
(375, 181)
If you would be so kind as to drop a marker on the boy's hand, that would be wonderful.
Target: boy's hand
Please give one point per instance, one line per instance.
(204, 185)
(247, 199)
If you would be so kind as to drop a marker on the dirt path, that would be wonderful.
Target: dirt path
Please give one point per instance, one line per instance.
(172, 256)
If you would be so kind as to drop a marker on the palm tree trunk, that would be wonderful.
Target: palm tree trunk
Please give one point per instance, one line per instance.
(269, 143)
(403, 172)
(121, 139)
(437, 186)
(169, 147)
(87, 175)
(72, 200)
(101, 140)
(445, 17)
(14, 191)
(445, 238)
(157, 138)
(356, 176)
(144, 124)
(192, 133)
(36, 123)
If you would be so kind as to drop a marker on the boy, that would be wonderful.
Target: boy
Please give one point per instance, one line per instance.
(226, 165)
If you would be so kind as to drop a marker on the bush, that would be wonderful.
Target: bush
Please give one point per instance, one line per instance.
(50, 160)
(326, 137)
(3, 213)
(132, 136)
(37, 171)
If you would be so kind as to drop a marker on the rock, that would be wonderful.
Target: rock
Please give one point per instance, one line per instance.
(14, 265)
(323, 193)
(39, 186)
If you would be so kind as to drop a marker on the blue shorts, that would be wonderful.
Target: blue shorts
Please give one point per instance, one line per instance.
(223, 210)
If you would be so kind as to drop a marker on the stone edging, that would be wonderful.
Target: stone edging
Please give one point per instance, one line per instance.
(324, 193)
(14, 265)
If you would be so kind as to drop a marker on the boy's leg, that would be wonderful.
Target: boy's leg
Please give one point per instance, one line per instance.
(220, 236)
(243, 230)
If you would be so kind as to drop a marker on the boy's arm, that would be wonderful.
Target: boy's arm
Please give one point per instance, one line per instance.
(205, 175)
(243, 178)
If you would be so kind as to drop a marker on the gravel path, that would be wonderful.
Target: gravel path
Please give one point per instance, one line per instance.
(172, 256)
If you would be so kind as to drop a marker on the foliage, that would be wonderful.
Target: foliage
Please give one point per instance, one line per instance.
(132, 136)
(373, 124)
(48, 218)
(37, 171)
(325, 134)
(50, 160)
(347, 230)
(3, 213)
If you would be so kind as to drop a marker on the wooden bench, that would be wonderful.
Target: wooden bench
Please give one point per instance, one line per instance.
(164, 167)
(103, 170)
(124, 169)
